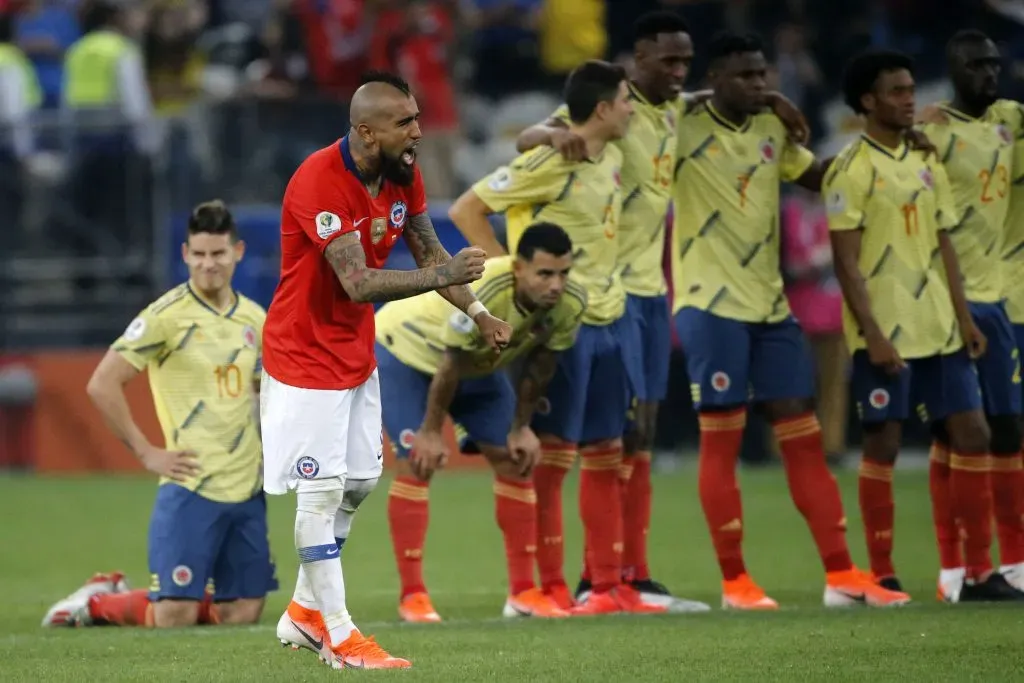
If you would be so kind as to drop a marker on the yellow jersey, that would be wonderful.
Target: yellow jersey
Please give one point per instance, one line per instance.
(204, 368)
(977, 155)
(418, 330)
(1011, 115)
(900, 201)
(648, 157)
(583, 198)
(725, 241)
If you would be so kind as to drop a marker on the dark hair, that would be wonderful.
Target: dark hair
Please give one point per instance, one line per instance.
(212, 217)
(96, 14)
(727, 43)
(546, 237)
(650, 25)
(968, 36)
(394, 80)
(588, 84)
(863, 71)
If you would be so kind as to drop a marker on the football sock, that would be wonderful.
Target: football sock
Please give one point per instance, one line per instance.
(319, 555)
(1008, 500)
(877, 511)
(408, 515)
(721, 435)
(601, 511)
(970, 491)
(814, 489)
(515, 504)
(556, 460)
(131, 608)
(637, 517)
(942, 511)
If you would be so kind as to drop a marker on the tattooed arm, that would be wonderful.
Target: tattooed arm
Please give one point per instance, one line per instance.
(538, 370)
(364, 284)
(428, 251)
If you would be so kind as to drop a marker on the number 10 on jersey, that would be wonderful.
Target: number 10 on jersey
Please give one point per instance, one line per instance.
(229, 380)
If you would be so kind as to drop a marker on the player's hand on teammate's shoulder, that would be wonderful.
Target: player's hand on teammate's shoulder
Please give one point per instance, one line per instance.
(176, 465)
(571, 146)
(429, 453)
(496, 332)
(792, 118)
(466, 266)
(524, 449)
(883, 354)
(919, 141)
(974, 340)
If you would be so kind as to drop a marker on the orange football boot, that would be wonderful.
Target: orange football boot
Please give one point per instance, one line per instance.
(855, 587)
(416, 608)
(561, 596)
(742, 593)
(532, 603)
(300, 627)
(359, 652)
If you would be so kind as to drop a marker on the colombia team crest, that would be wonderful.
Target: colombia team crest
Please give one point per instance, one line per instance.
(249, 337)
(767, 149)
(926, 178)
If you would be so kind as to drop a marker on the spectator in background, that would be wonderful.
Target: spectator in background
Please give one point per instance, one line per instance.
(174, 65)
(798, 73)
(337, 36)
(816, 300)
(505, 46)
(571, 32)
(45, 29)
(412, 38)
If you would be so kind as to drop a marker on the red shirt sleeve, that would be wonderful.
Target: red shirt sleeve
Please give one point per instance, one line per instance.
(416, 196)
(320, 210)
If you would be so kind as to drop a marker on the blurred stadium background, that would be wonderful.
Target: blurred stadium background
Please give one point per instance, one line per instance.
(234, 93)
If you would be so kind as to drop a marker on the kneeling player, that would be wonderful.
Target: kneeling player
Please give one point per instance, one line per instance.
(208, 550)
(433, 363)
(906, 318)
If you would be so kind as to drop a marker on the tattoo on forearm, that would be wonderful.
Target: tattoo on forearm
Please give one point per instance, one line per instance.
(537, 373)
(427, 249)
(364, 284)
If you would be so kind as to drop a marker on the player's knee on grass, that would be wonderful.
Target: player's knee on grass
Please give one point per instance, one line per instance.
(882, 441)
(240, 612)
(175, 613)
(968, 432)
(786, 408)
(1006, 434)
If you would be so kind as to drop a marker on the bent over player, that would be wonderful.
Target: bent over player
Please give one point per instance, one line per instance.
(906, 317)
(741, 342)
(433, 363)
(976, 142)
(586, 403)
(208, 549)
(344, 209)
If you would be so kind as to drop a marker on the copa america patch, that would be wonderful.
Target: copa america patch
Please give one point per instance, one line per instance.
(135, 330)
(397, 215)
(182, 575)
(307, 467)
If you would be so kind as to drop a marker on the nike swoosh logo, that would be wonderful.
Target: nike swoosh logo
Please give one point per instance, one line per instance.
(356, 223)
(318, 644)
(332, 552)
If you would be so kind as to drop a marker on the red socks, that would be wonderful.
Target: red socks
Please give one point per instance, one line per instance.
(946, 534)
(970, 492)
(721, 434)
(1008, 500)
(515, 505)
(878, 512)
(408, 515)
(556, 460)
(601, 512)
(132, 608)
(636, 516)
(814, 489)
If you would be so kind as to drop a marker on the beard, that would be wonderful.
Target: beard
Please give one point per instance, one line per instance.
(396, 170)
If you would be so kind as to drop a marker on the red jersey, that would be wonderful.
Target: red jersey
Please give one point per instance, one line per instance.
(315, 337)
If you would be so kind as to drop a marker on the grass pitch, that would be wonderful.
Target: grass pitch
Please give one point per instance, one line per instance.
(57, 531)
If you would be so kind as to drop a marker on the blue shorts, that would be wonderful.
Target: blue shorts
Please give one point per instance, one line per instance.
(999, 367)
(590, 393)
(653, 345)
(934, 387)
(482, 409)
(195, 542)
(731, 362)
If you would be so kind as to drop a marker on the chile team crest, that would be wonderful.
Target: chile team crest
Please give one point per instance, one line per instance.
(397, 216)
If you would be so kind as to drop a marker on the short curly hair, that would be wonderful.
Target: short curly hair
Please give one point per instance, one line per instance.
(862, 73)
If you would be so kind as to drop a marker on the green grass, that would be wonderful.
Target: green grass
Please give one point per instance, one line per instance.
(56, 532)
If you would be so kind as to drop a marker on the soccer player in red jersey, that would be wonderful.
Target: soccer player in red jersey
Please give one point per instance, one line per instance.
(344, 209)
